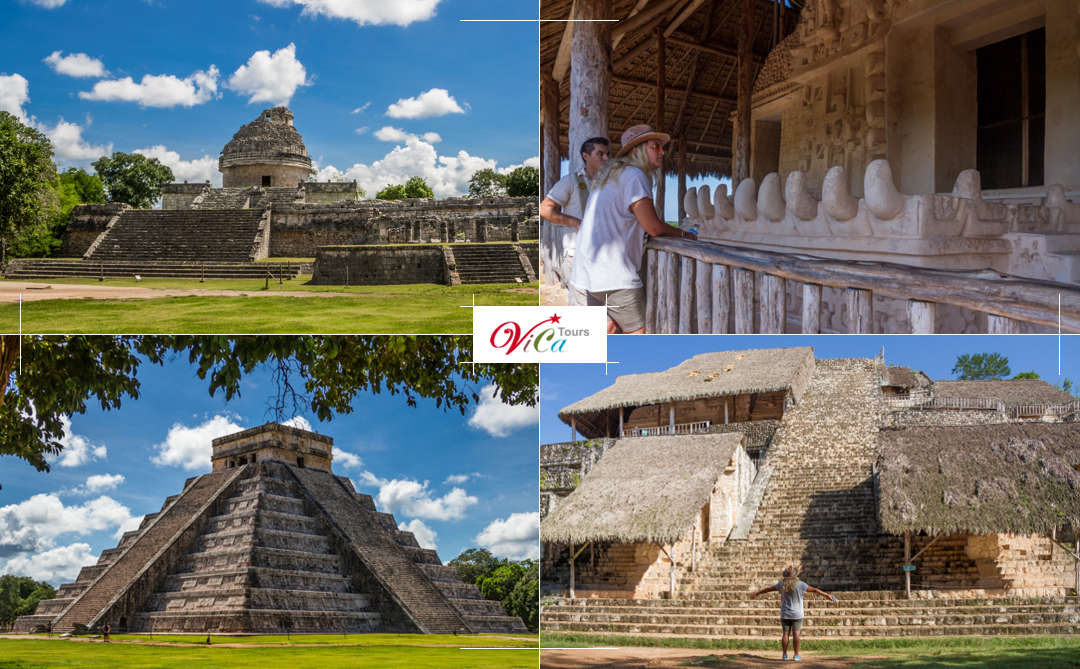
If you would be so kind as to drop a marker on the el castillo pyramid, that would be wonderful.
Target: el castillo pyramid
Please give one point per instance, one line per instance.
(270, 541)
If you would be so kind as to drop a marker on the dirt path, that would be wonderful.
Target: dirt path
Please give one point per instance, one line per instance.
(33, 292)
(663, 658)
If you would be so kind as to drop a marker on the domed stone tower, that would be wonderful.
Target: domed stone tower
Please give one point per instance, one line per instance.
(266, 152)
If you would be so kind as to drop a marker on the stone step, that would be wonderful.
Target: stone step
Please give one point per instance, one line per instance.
(770, 631)
(266, 621)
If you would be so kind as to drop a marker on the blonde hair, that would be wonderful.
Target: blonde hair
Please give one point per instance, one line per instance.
(614, 167)
(791, 579)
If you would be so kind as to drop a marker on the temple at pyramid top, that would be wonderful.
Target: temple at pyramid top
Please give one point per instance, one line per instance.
(273, 441)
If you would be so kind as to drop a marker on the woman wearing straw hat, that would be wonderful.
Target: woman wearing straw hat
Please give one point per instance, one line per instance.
(611, 240)
(791, 591)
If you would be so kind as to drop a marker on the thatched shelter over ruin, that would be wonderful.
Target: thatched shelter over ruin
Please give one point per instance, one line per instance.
(1010, 392)
(982, 479)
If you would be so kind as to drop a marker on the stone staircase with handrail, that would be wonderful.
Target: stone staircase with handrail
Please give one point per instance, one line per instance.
(181, 235)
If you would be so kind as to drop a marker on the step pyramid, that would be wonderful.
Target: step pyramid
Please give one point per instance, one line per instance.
(269, 543)
(218, 235)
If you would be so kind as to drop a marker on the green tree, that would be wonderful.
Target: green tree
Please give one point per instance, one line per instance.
(980, 366)
(27, 181)
(1027, 375)
(74, 187)
(133, 178)
(1067, 386)
(417, 187)
(524, 600)
(19, 596)
(523, 181)
(392, 192)
(486, 183)
(475, 564)
(501, 582)
(317, 374)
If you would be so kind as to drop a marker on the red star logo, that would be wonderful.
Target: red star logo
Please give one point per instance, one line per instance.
(554, 318)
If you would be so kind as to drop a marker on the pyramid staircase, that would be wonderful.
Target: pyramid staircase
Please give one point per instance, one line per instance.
(270, 548)
(190, 235)
(38, 268)
(492, 263)
(224, 198)
(818, 510)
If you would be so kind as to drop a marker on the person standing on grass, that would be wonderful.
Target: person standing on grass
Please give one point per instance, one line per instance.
(791, 591)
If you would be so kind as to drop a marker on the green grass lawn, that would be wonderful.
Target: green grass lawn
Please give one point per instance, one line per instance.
(375, 650)
(967, 652)
(411, 309)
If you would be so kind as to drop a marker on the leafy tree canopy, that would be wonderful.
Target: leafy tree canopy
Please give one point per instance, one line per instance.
(980, 366)
(524, 599)
(392, 192)
(74, 187)
(60, 375)
(133, 178)
(474, 564)
(516, 585)
(27, 179)
(417, 187)
(498, 584)
(486, 183)
(19, 596)
(1027, 375)
(523, 181)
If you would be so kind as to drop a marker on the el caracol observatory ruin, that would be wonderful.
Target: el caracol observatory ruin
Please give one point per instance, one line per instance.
(268, 207)
(269, 541)
(931, 507)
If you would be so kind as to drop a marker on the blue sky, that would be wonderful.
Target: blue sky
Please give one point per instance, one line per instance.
(560, 385)
(380, 90)
(457, 481)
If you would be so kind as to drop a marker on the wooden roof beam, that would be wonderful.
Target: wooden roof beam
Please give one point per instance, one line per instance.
(621, 79)
(562, 59)
(637, 8)
(683, 15)
(644, 18)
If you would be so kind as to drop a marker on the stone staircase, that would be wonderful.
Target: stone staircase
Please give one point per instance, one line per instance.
(492, 263)
(224, 198)
(37, 268)
(817, 510)
(181, 235)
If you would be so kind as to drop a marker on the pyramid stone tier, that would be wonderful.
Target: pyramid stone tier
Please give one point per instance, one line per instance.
(266, 152)
(267, 545)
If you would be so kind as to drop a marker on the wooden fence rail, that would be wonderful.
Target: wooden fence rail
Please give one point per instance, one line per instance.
(679, 428)
(693, 286)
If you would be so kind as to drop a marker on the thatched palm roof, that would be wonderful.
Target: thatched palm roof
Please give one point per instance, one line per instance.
(705, 375)
(903, 377)
(1010, 392)
(643, 489)
(983, 479)
(699, 56)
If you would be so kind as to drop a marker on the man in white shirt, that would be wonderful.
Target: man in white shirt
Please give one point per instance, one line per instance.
(565, 205)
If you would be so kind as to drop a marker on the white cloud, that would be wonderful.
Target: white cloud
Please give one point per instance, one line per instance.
(413, 498)
(362, 130)
(49, 4)
(70, 147)
(392, 134)
(361, 108)
(299, 422)
(364, 12)
(58, 565)
(103, 482)
(34, 524)
(460, 478)
(197, 170)
(14, 93)
(434, 102)
(268, 77)
(425, 536)
(77, 449)
(498, 419)
(189, 447)
(447, 175)
(529, 162)
(76, 65)
(516, 537)
(431, 137)
(158, 90)
(346, 459)
(127, 526)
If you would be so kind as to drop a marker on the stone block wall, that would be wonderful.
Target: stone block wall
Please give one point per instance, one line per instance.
(934, 417)
(355, 265)
(327, 192)
(563, 465)
(758, 433)
(87, 223)
(1025, 565)
(181, 196)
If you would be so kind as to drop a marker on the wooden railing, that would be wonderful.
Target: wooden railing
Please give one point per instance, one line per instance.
(986, 404)
(694, 286)
(678, 428)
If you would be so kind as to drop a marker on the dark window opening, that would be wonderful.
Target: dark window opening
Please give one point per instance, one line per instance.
(266, 181)
(300, 461)
(1012, 111)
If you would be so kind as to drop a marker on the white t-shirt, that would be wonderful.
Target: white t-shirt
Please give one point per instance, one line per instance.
(610, 242)
(570, 193)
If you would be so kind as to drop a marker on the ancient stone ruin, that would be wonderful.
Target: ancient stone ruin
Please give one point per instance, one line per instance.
(931, 503)
(270, 541)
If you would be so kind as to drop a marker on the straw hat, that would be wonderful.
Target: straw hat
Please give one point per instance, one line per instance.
(636, 134)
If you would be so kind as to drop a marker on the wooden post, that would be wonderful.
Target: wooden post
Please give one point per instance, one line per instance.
(663, 258)
(725, 423)
(721, 298)
(572, 570)
(907, 562)
(1000, 325)
(811, 308)
(773, 304)
(671, 417)
(590, 75)
(573, 430)
(549, 146)
(745, 89)
(921, 315)
(661, 77)
(669, 306)
(703, 296)
(693, 547)
(681, 168)
(621, 410)
(686, 294)
(652, 289)
(671, 574)
(744, 301)
(860, 311)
